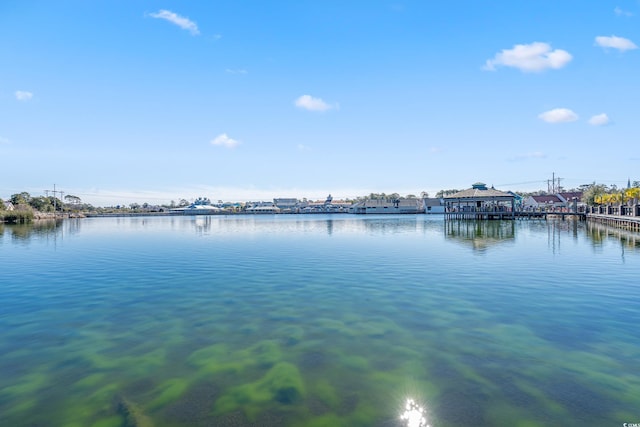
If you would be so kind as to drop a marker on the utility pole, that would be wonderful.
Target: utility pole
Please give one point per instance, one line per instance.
(552, 187)
(55, 201)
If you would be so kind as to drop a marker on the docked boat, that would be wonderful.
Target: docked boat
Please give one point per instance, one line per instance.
(198, 209)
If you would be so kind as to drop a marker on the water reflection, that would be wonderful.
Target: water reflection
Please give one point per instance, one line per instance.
(413, 415)
(600, 234)
(480, 235)
(48, 230)
(330, 227)
(556, 229)
(322, 224)
(41, 228)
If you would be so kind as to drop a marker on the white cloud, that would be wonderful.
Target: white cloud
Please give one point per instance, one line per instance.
(532, 57)
(599, 120)
(308, 102)
(436, 150)
(302, 147)
(236, 71)
(224, 140)
(180, 21)
(558, 115)
(621, 12)
(4, 140)
(23, 95)
(614, 42)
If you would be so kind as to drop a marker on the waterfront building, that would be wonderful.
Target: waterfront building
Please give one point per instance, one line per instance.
(262, 208)
(433, 205)
(480, 202)
(543, 202)
(388, 206)
(550, 202)
(286, 204)
(201, 206)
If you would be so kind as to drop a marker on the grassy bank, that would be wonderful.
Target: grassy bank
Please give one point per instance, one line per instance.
(16, 217)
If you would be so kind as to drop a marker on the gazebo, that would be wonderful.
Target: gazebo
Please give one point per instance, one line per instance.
(480, 202)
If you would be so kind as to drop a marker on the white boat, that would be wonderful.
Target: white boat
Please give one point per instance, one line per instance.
(197, 209)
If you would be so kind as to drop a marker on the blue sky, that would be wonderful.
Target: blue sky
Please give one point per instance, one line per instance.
(121, 101)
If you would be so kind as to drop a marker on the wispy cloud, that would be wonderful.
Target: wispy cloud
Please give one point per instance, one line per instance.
(23, 95)
(558, 115)
(599, 120)
(615, 42)
(436, 150)
(4, 140)
(180, 21)
(224, 141)
(529, 156)
(532, 57)
(621, 12)
(236, 71)
(302, 147)
(308, 102)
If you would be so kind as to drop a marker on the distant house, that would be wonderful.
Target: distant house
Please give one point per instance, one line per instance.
(8, 206)
(388, 206)
(569, 197)
(287, 204)
(325, 206)
(433, 205)
(564, 200)
(262, 208)
(543, 202)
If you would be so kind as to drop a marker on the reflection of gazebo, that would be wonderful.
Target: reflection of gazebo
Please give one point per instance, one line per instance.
(480, 235)
(480, 202)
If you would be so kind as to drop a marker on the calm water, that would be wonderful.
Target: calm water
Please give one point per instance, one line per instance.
(318, 321)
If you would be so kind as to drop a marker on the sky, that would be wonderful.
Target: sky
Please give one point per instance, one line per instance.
(151, 101)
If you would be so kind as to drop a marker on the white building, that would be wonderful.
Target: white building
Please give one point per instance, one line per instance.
(388, 206)
(433, 205)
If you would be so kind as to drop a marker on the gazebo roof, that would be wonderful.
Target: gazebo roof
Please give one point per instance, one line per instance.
(480, 192)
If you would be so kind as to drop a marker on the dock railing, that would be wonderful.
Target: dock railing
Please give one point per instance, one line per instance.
(626, 216)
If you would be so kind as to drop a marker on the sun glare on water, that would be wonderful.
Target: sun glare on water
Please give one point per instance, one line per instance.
(413, 415)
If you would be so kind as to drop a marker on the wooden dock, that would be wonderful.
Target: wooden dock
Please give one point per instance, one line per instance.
(511, 215)
(626, 222)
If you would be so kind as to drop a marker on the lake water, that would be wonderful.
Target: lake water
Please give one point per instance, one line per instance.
(318, 321)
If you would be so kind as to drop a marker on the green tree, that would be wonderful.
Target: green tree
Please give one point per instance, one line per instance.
(20, 198)
(41, 203)
(74, 200)
(592, 192)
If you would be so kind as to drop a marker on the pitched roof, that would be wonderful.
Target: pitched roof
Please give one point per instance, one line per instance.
(570, 195)
(548, 198)
(477, 193)
(432, 202)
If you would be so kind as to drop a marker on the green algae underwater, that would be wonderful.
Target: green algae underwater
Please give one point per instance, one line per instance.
(317, 321)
